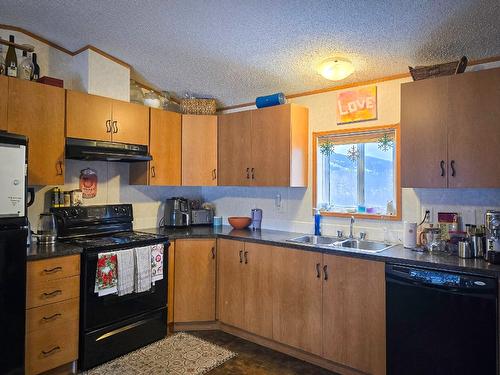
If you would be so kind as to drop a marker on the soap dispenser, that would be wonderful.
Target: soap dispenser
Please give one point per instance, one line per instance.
(317, 222)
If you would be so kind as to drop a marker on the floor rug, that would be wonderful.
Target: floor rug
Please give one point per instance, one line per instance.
(178, 354)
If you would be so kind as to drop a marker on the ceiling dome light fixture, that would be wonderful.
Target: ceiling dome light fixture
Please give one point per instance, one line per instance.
(336, 69)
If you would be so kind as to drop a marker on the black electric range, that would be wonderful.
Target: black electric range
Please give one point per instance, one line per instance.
(112, 325)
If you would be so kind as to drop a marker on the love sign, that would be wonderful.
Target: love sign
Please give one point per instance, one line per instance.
(357, 105)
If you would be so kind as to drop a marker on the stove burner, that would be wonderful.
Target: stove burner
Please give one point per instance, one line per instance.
(120, 238)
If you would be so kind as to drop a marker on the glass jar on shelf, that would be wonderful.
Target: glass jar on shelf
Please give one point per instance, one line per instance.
(25, 68)
(152, 99)
(136, 94)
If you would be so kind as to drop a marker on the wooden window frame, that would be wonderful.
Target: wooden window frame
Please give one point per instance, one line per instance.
(396, 128)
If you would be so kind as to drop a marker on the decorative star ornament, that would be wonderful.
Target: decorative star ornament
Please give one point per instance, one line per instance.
(353, 153)
(385, 143)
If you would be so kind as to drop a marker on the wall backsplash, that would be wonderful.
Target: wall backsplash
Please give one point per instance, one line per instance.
(113, 187)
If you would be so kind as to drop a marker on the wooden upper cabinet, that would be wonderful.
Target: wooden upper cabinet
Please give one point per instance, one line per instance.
(199, 150)
(474, 130)
(130, 123)
(354, 313)
(194, 292)
(280, 146)
(234, 137)
(37, 111)
(230, 282)
(165, 148)
(424, 107)
(4, 90)
(297, 304)
(88, 116)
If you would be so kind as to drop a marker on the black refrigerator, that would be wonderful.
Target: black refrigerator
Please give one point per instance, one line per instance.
(13, 237)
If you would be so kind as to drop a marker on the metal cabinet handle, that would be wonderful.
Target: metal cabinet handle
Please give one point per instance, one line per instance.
(442, 168)
(241, 256)
(213, 252)
(325, 270)
(452, 164)
(318, 270)
(253, 174)
(51, 351)
(52, 294)
(59, 168)
(53, 270)
(246, 257)
(108, 126)
(153, 172)
(248, 173)
(52, 317)
(115, 126)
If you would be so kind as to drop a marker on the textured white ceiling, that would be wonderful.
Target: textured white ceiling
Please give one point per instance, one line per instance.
(237, 50)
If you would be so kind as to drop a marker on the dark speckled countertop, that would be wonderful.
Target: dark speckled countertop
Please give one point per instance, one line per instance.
(396, 254)
(59, 249)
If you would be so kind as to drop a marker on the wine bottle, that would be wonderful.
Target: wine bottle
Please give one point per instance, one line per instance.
(25, 69)
(2, 61)
(36, 68)
(11, 59)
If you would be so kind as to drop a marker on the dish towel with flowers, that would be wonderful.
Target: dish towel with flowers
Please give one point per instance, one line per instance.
(142, 274)
(106, 279)
(156, 262)
(126, 269)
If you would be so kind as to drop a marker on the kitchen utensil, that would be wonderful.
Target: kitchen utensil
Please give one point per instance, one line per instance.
(464, 250)
(239, 222)
(430, 238)
(47, 229)
(177, 212)
(477, 246)
(256, 218)
(410, 235)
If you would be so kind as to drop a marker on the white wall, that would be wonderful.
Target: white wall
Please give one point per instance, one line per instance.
(296, 211)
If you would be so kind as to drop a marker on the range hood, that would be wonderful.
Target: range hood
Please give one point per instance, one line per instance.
(83, 149)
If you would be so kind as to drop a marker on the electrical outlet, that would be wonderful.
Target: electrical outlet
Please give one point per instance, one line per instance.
(430, 218)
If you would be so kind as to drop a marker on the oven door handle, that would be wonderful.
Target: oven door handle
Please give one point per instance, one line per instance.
(121, 329)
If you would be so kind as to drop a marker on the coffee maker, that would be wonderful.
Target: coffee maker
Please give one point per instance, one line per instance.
(492, 221)
(177, 212)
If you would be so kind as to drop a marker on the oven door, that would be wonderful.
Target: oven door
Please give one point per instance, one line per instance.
(98, 311)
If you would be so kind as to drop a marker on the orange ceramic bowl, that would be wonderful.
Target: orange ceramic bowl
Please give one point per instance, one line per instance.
(239, 222)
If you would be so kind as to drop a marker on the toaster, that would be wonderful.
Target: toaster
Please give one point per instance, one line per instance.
(202, 216)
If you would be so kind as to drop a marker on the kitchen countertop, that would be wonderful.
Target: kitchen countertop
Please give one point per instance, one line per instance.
(396, 254)
(59, 249)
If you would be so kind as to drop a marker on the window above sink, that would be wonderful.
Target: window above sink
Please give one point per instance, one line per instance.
(356, 172)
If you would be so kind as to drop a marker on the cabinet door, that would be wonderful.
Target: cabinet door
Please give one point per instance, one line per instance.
(424, 107)
(199, 150)
(229, 282)
(195, 265)
(88, 116)
(297, 302)
(257, 289)
(4, 89)
(354, 313)
(234, 148)
(271, 146)
(130, 123)
(37, 111)
(474, 130)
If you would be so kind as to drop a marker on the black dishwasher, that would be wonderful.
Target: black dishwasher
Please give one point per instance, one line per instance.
(440, 323)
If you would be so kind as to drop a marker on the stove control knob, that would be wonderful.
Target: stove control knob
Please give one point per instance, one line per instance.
(65, 213)
(74, 212)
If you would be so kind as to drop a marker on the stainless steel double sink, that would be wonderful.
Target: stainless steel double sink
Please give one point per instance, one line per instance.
(341, 243)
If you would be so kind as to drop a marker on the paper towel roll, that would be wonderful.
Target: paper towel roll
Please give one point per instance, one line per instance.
(410, 235)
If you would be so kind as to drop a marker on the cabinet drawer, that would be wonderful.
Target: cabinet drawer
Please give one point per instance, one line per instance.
(52, 269)
(52, 291)
(52, 316)
(49, 348)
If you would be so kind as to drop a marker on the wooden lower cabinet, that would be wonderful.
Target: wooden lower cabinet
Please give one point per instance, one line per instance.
(297, 299)
(52, 315)
(244, 286)
(194, 292)
(354, 313)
